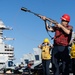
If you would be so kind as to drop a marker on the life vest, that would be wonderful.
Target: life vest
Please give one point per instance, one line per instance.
(46, 53)
(61, 38)
(72, 51)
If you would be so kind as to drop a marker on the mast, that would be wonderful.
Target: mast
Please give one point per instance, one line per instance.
(5, 49)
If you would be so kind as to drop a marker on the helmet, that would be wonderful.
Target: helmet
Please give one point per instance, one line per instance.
(46, 40)
(65, 17)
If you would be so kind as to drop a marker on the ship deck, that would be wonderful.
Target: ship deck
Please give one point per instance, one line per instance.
(30, 74)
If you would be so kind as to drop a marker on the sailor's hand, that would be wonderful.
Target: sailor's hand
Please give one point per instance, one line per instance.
(40, 46)
(43, 17)
(52, 46)
(58, 25)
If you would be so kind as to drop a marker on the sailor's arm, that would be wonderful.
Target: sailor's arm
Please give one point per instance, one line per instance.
(51, 45)
(70, 42)
(66, 30)
(49, 28)
(40, 46)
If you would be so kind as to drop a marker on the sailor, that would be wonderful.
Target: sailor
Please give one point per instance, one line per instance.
(63, 32)
(45, 55)
(72, 55)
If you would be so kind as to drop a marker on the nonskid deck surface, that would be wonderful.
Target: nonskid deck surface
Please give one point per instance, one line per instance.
(28, 74)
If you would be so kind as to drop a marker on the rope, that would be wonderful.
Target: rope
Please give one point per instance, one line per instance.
(47, 30)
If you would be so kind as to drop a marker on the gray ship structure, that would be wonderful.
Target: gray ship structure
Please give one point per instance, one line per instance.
(6, 51)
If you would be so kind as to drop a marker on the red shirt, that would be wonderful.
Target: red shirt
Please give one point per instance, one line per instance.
(61, 38)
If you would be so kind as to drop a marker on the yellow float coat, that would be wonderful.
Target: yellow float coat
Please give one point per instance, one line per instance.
(72, 51)
(46, 53)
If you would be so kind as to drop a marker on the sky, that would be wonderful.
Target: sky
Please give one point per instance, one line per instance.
(29, 30)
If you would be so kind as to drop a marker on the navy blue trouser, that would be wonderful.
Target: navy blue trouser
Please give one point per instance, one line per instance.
(45, 66)
(60, 53)
(73, 65)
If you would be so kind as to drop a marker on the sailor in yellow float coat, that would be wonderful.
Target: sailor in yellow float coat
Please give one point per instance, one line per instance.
(72, 49)
(72, 55)
(45, 55)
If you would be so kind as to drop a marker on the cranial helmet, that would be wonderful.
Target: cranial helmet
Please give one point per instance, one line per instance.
(65, 17)
(46, 40)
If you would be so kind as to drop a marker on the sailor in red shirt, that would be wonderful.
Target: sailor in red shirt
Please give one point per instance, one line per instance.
(62, 37)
